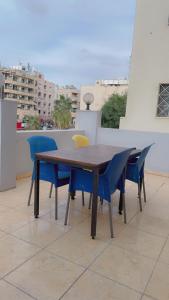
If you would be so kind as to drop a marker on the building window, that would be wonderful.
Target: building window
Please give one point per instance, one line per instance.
(163, 101)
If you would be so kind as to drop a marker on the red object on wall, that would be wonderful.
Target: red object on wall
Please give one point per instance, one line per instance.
(19, 125)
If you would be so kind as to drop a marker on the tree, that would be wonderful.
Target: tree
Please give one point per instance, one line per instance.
(112, 110)
(33, 122)
(62, 113)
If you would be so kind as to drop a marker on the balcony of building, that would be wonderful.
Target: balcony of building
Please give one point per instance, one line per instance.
(44, 259)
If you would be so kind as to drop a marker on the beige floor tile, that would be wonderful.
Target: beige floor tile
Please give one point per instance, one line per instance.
(3, 209)
(146, 298)
(9, 292)
(13, 220)
(140, 242)
(45, 207)
(151, 224)
(2, 234)
(45, 276)
(159, 206)
(164, 257)
(92, 286)
(103, 226)
(41, 232)
(125, 267)
(77, 247)
(158, 286)
(75, 216)
(13, 252)
(155, 182)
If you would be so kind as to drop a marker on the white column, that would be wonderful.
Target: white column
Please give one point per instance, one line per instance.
(7, 144)
(89, 121)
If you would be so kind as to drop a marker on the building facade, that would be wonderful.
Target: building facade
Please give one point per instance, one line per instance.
(148, 95)
(101, 91)
(35, 95)
(73, 94)
(21, 86)
(46, 96)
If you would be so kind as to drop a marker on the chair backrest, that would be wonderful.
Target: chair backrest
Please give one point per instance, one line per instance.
(116, 167)
(40, 144)
(141, 160)
(80, 140)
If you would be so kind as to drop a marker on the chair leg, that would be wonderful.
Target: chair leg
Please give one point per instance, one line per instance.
(56, 203)
(90, 201)
(83, 202)
(139, 196)
(110, 219)
(124, 208)
(51, 188)
(144, 191)
(67, 209)
(30, 192)
(73, 194)
(101, 201)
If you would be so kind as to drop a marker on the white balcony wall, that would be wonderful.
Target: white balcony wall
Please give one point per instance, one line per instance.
(157, 159)
(63, 139)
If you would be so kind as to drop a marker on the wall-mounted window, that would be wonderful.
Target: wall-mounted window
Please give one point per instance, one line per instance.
(163, 101)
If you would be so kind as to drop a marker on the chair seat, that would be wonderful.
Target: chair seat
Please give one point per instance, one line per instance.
(63, 174)
(48, 173)
(82, 180)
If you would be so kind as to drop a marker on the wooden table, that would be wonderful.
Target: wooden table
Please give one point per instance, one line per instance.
(93, 158)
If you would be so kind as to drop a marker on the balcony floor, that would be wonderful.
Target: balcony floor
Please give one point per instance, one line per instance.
(43, 259)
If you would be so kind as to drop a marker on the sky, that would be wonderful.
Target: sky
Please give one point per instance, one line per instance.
(70, 41)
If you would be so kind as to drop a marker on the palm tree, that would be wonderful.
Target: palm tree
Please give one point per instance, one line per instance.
(62, 113)
(33, 122)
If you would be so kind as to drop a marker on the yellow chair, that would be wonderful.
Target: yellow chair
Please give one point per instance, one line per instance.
(80, 141)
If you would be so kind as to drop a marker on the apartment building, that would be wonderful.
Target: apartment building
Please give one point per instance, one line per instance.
(73, 94)
(101, 91)
(148, 95)
(20, 85)
(46, 96)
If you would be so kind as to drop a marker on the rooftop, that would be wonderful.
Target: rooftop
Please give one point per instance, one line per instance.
(43, 259)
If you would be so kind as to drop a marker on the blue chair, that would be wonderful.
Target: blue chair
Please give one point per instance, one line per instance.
(135, 173)
(110, 180)
(58, 175)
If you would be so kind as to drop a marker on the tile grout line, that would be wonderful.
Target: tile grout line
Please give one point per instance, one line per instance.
(18, 288)
(85, 270)
(65, 259)
(157, 260)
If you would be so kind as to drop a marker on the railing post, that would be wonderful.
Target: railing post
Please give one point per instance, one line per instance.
(89, 121)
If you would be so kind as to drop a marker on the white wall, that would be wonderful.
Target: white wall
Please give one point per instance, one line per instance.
(7, 144)
(149, 67)
(63, 139)
(157, 159)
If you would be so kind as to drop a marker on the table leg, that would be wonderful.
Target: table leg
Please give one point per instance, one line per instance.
(121, 203)
(36, 191)
(94, 204)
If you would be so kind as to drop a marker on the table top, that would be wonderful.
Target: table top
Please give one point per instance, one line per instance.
(94, 156)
